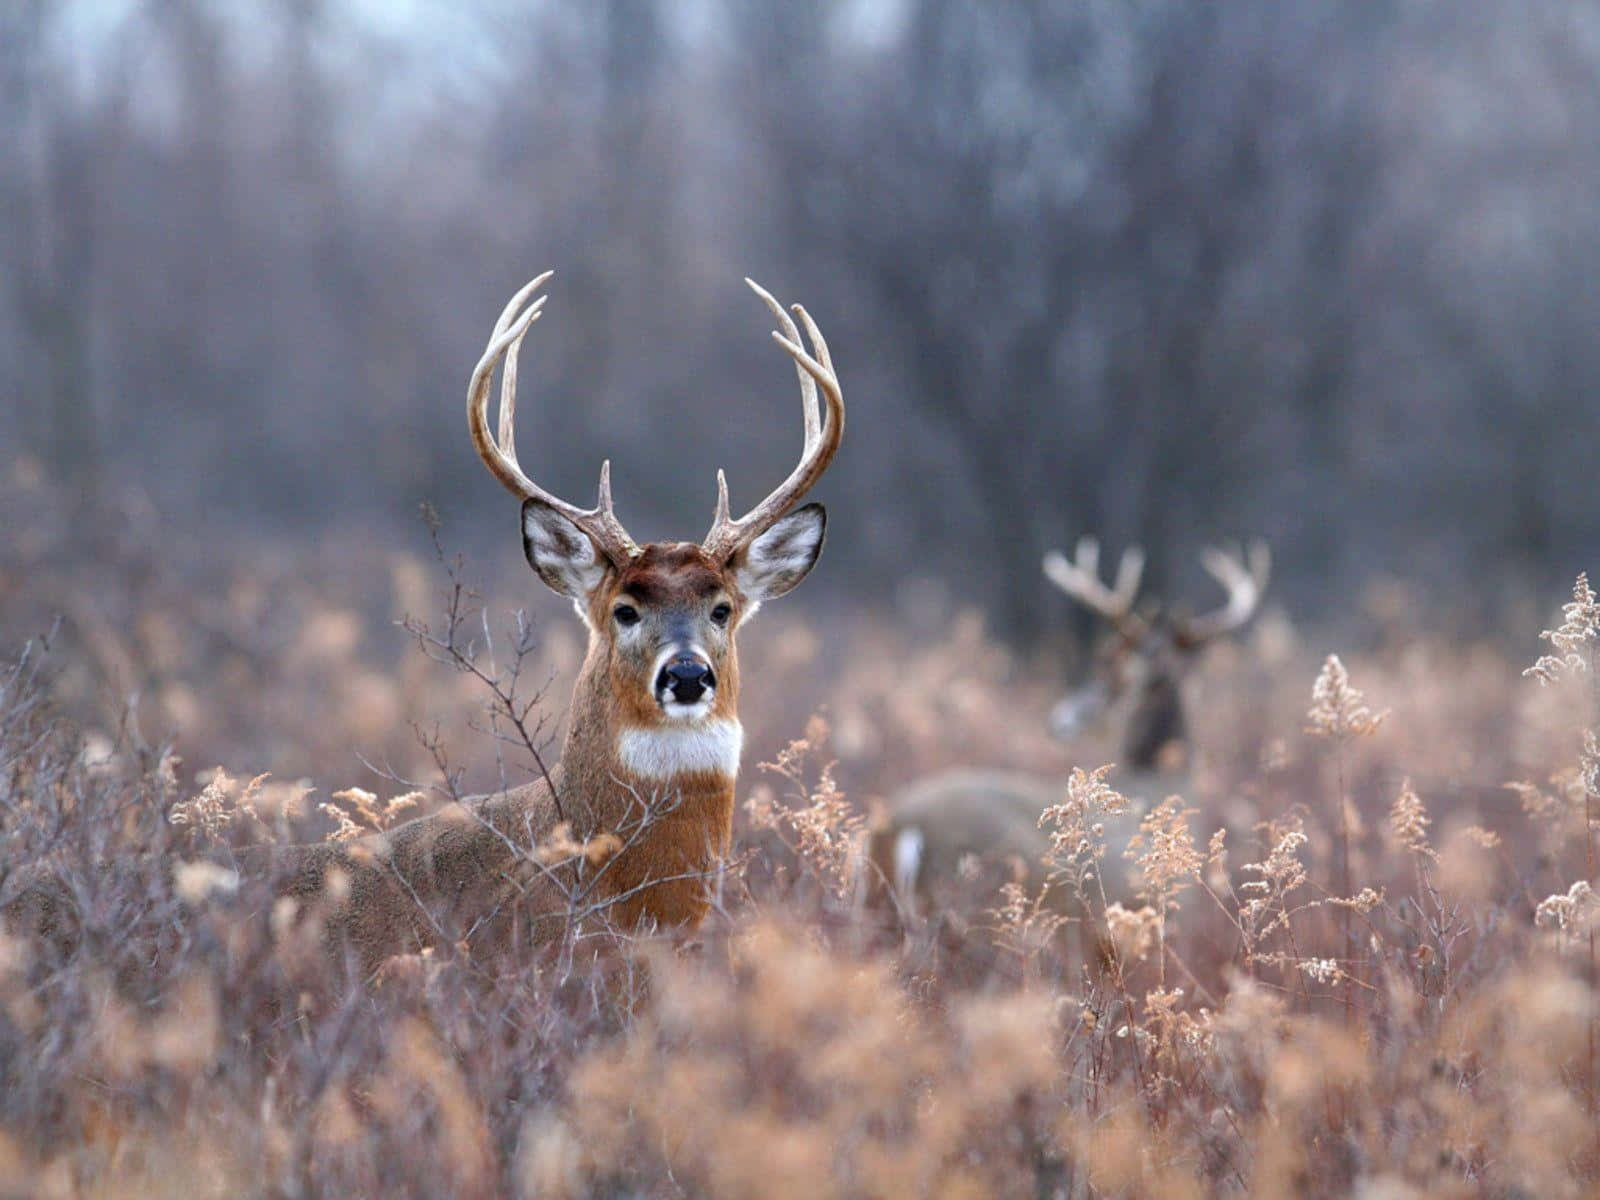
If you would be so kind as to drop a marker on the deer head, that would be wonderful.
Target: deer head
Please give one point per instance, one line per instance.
(1148, 653)
(660, 682)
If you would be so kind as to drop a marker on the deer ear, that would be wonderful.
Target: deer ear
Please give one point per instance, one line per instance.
(782, 556)
(560, 552)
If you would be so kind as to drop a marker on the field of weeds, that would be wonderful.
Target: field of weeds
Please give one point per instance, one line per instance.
(1356, 955)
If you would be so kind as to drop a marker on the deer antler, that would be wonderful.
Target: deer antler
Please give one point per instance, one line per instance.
(599, 522)
(1080, 579)
(1244, 585)
(727, 536)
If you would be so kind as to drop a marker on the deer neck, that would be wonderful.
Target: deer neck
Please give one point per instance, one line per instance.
(614, 758)
(1156, 725)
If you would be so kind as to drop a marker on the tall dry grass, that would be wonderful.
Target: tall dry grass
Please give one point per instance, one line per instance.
(1358, 959)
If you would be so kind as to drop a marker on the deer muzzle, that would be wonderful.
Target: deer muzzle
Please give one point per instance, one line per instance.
(685, 679)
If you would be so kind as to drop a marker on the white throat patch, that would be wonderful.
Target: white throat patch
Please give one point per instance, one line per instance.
(664, 754)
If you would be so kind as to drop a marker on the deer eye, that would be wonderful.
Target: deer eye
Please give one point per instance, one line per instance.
(721, 613)
(626, 614)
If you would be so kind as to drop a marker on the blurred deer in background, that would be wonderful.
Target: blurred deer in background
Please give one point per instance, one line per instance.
(638, 816)
(941, 834)
(1140, 669)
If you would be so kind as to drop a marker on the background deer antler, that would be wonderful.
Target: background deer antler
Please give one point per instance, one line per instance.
(599, 522)
(727, 536)
(1080, 579)
(1244, 585)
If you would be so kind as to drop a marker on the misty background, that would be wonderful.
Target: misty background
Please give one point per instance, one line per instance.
(1170, 273)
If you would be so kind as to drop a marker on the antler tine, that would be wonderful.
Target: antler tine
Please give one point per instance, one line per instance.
(1130, 570)
(1243, 579)
(514, 305)
(787, 335)
(1080, 579)
(500, 454)
(1260, 563)
(1086, 555)
(821, 440)
(508, 381)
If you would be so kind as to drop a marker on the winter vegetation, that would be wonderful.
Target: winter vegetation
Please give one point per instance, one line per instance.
(1357, 953)
(1263, 865)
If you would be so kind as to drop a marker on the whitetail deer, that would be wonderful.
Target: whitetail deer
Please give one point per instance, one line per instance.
(992, 816)
(645, 785)
(1140, 670)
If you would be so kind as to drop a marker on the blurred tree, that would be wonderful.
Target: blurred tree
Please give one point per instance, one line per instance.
(1161, 272)
(50, 247)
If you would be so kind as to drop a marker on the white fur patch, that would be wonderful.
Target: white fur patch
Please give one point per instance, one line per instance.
(664, 754)
(907, 862)
(675, 710)
(782, 555)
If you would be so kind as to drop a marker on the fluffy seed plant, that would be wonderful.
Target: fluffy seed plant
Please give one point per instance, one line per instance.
(1339, 714)
(1574, 916)
(1111, 938)
(814, 821)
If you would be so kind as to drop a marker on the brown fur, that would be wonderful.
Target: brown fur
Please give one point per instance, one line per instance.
(470, 873)
(989, 817)
(1145, 680)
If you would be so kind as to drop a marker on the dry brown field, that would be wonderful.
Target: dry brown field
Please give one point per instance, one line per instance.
(1356, 956)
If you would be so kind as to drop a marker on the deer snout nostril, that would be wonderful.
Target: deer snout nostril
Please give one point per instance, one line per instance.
(687, 678)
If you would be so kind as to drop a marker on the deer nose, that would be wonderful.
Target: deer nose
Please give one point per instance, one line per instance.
(688, 679)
